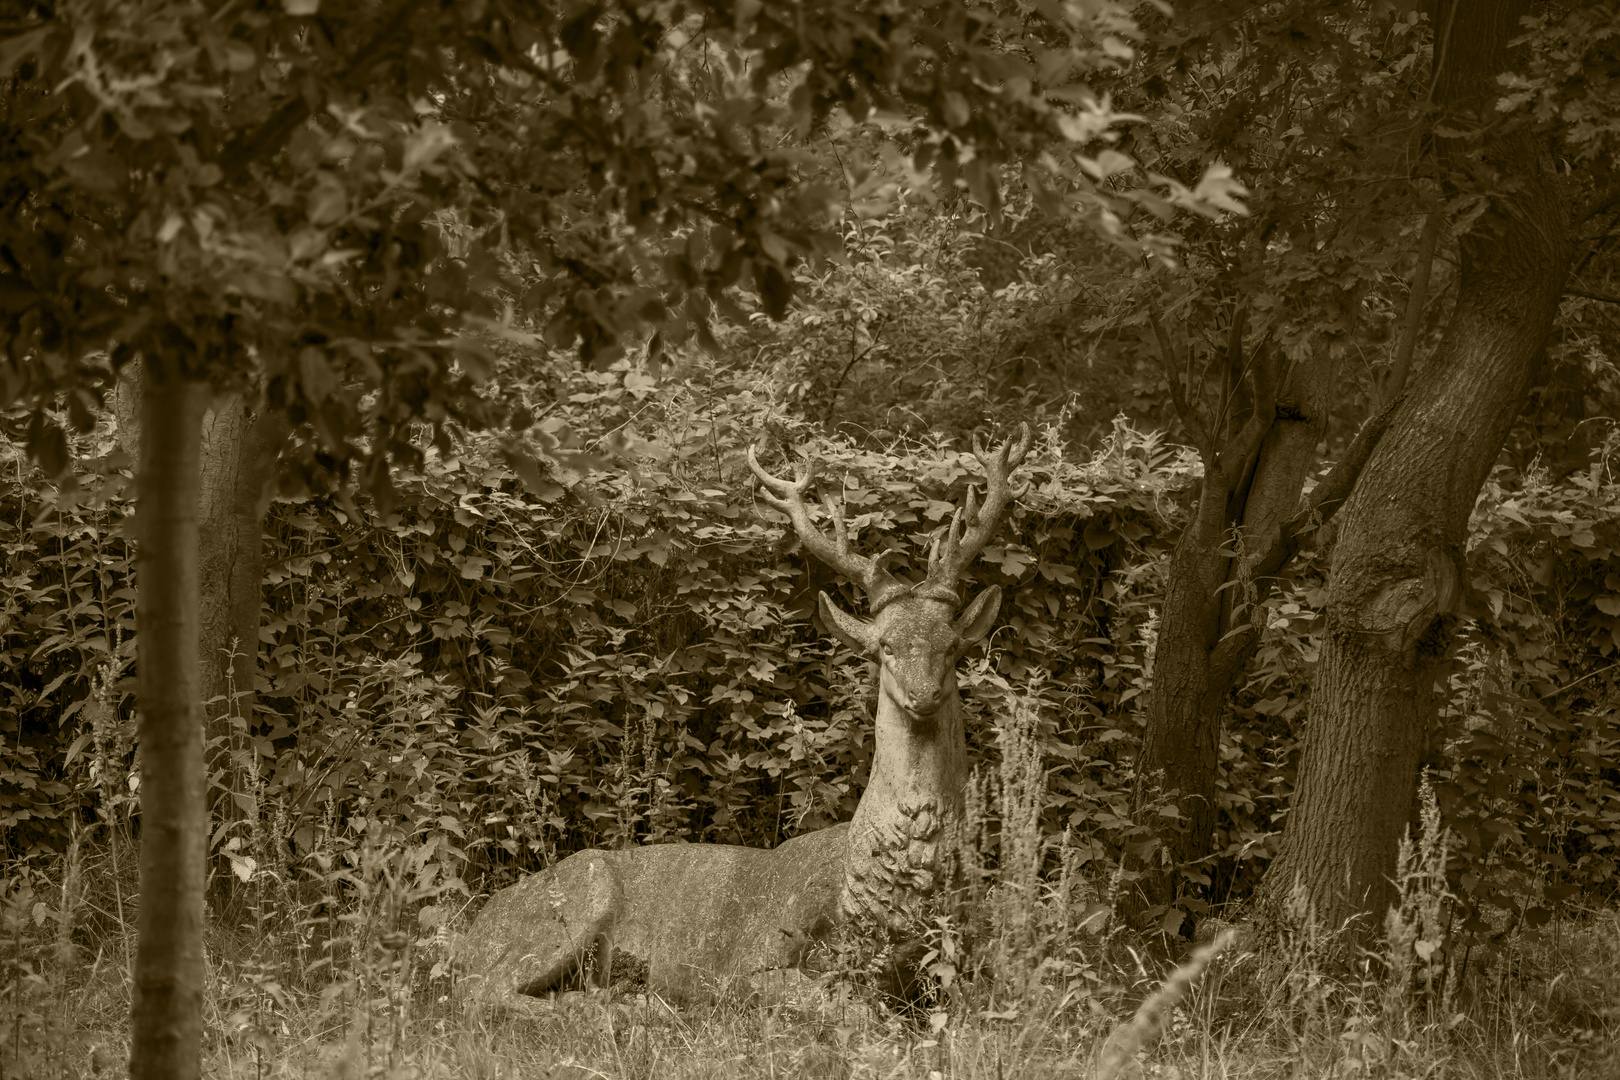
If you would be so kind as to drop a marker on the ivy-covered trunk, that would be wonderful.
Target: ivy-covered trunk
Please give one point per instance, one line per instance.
(1395, 577)
(166, 1012)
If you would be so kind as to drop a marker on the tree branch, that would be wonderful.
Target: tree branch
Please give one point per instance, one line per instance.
(1245, 446)
(1178, 394)
(1231, 398)
(1324, 501)
(1335, 488)
(854, 358)
(1604, 201)
(1607, 298)
(1416, 300)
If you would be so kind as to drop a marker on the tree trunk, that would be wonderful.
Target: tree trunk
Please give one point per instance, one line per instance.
(1177, 761)
(1192, 675)
(166, 1012)
(1396, 569)
(237, 452)
(237, 449)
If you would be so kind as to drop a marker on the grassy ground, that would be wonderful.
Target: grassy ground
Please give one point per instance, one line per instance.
(327, 986)
(334, 963)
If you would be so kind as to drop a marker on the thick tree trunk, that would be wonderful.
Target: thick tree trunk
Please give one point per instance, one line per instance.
(166, 1013)
(1396, 569)
(1193, 675)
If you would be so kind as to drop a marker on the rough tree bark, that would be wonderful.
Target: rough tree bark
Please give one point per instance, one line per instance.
(238, 448)
(166, 1011)
(1396, 567)
(1251, 485)
(237, 451)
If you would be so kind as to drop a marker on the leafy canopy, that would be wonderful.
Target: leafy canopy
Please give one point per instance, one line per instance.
(338, 205)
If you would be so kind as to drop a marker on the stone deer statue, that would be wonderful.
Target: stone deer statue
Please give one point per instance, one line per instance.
(704, 916)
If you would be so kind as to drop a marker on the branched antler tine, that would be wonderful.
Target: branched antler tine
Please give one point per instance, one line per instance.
(777, 492)
(971, 514)
(979, 521)
(835, 511)
(942, 551)
(788, 497)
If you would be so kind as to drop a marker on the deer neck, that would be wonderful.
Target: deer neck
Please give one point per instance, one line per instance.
(903, 829)
(918, 760)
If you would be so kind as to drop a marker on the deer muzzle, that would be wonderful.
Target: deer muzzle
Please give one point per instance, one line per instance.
(920, 705)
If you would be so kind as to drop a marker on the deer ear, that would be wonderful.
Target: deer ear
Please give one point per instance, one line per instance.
(979, 617)
(852, 630)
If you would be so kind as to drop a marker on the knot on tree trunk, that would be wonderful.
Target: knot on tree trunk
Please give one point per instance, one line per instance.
(1407, 611)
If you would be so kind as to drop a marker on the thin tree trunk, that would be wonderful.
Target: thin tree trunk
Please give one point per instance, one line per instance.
(1417, 297)
(166, 1012)
(1177, 761)
(1273, 498)
(1396, 569)
(1179, 758)
(237, 450)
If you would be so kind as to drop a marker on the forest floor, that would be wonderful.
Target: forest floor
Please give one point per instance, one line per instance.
(1544, 1003)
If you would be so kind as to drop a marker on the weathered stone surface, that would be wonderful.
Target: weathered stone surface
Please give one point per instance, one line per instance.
(702, 916)
(533, 934)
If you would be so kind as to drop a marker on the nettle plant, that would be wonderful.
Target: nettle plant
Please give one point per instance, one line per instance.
(1532, 734)
(67, 623)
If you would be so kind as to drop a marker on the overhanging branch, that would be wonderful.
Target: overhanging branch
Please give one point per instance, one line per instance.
(1417, 299)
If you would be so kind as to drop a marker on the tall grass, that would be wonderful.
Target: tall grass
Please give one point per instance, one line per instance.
(333, 963)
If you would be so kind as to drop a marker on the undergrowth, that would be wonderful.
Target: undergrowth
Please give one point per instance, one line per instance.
(331, 960)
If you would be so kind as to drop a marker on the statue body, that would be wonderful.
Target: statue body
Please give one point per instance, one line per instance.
(706, 916)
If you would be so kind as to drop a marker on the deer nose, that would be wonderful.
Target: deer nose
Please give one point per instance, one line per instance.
(925, 703)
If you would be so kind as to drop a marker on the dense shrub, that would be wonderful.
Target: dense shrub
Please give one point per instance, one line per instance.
(621, 654)
(620, 647)
(625, 650)
(633, 649)
(1529, 753)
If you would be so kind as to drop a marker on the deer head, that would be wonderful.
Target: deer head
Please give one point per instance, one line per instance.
(913, 632)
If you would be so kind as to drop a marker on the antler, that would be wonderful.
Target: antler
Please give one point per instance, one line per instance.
(971, 527)
(788, 496)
